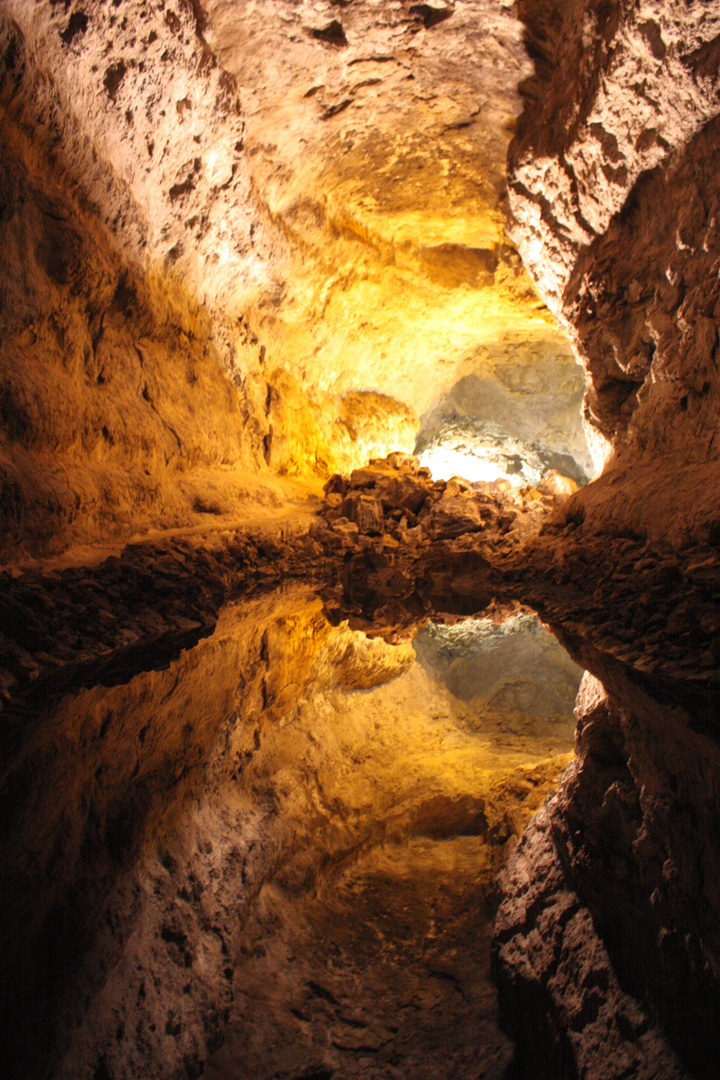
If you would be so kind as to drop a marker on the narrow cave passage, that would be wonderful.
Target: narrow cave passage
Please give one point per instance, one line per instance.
(281, 727)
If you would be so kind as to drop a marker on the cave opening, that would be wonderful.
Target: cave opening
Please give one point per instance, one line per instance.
(515, 417)
(358, 392)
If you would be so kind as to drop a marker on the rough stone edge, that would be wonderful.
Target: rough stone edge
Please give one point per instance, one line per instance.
(559, 997)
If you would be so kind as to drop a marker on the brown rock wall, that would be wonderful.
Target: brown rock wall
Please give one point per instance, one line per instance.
(559, 994)
(146, 127)
(631, 836)
(607, 186)
(297, 188)
(115, 412)
(579, 148)
(123, 406)
(613, 193)
(643, 299)
(191, 295)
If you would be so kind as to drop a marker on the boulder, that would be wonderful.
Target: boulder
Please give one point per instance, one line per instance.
(452, 516)
(366, 512)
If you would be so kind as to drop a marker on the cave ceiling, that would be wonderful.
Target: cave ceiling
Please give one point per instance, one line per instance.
(327, 177)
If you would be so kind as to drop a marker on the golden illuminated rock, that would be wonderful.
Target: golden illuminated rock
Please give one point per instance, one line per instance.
(231, 191)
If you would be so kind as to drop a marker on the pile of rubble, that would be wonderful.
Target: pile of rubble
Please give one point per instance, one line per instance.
(414, 548)
(394, 497)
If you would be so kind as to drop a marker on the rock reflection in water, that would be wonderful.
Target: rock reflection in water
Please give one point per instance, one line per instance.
(515, 670)
(375, 962)
(381, 972)
(281, 778)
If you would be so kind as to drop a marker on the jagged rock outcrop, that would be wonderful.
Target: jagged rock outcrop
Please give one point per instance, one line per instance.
(613, 192)
(415, 548)
(607, 896)
(558, 990)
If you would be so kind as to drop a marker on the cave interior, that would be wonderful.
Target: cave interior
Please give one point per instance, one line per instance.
(360, 539)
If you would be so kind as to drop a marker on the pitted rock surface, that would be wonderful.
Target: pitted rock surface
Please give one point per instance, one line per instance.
(596, 856)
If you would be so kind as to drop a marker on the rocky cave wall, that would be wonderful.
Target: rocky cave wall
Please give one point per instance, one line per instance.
(131, 397)
(613, 193)
(280, 244)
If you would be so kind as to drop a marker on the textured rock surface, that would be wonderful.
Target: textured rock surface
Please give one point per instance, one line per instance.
(162, 232)
(128, 401)
(612, 192)
(168, 207)
(516, 668)
(614, 200)
(580, 149)
(559, 992)
(591, 905)
(379, 150)
(515, 421)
